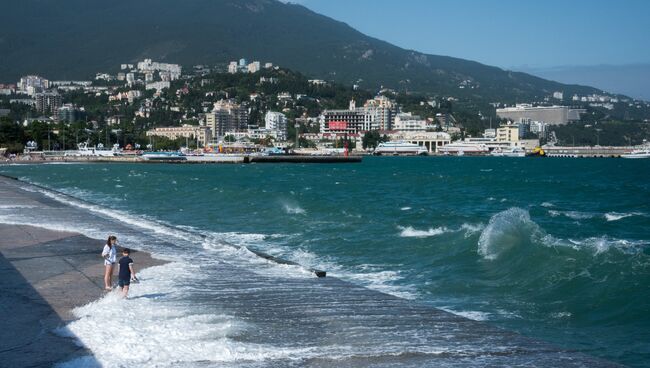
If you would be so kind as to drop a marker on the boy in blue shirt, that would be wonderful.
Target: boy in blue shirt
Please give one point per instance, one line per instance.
(127, 273)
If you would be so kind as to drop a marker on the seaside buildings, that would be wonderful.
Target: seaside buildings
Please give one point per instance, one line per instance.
(227, 116)
(554, 115)
(407, 122)
(202, 134)
(376, 114)
(277, 122)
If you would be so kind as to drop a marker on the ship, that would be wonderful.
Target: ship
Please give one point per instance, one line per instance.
(464, 148)
(400, 148)
(508, 152)
(640, 153)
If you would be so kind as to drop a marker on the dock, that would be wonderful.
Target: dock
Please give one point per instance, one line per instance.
(212, 159)
(317, 314)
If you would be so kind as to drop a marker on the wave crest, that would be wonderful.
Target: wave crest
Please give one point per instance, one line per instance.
(506, 230)
(411, 232)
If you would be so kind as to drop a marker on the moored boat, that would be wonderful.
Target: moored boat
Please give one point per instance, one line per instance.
(400, 148)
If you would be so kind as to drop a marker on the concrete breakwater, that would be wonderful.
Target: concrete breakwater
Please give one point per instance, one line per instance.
(216, 159)
(310, 313)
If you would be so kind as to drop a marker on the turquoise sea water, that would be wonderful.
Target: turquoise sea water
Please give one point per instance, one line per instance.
(557, 249)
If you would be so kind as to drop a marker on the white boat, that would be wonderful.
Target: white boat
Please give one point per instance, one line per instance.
(508, 152)
(464, 148)
(396, 148)
(164, 156)
(85, 151)
(640, 153)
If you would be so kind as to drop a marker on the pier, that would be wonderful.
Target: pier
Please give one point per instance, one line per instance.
(317, 314)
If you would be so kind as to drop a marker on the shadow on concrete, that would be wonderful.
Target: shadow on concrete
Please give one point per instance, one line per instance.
(28, 325)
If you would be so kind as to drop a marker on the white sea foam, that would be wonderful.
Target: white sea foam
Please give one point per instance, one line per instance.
(156, 326)
(575, 215)
(293, 209)
(615, 216)
(602, 244)
(473, 315)
(471, 229)
(411, 232)
(405, 208)
(547, 204)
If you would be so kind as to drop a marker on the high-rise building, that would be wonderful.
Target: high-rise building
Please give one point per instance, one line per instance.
(33, 84)
(48, 102)
(227, 116)
(233, 67)
(379, 113)
(376, 114)
(254, 67)
(70, 113)
(276, 121)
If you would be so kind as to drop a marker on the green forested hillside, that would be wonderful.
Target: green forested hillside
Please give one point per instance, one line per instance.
(76, 38)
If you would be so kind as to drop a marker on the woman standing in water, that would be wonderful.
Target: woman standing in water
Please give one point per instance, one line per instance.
(110, 257)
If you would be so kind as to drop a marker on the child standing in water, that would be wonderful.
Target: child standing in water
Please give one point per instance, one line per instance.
(126, 273)
(109, 253)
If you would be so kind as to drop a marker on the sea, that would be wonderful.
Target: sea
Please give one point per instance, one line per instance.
(556, 249)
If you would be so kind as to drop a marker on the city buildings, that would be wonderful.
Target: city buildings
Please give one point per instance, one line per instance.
(70, 113)
(158, 86)
(202, 134)
(508, 133)
(227, 116)
(244, 67)
(555, 115)
(276, 121)
(48, 102)
(172, 71)
(33, 84)
(376, 114)
(433, 141)
(407, 122)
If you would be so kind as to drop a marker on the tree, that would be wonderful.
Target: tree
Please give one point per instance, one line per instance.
(372, 139)
(230, 138)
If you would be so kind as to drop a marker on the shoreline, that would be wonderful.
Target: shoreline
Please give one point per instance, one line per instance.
(46, 274)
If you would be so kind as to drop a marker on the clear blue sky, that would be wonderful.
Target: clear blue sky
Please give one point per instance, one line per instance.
(505, 33)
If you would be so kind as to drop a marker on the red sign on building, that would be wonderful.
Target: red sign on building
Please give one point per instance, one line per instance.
(338, 125)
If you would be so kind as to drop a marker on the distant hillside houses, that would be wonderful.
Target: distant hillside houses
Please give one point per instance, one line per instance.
(244, 67)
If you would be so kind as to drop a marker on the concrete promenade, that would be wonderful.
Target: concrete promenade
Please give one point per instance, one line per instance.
(44, 274)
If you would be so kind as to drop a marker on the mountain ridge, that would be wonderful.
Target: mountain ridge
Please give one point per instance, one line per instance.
(100, 36)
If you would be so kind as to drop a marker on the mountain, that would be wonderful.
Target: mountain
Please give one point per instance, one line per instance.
(74, 39)
(631, 80)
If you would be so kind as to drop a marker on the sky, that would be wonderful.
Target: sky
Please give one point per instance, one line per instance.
(510, 34)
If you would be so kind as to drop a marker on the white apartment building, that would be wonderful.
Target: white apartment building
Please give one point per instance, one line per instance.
(276, 121)
(407, 122)
(233, 67)
(158, 86)
(508, 133)
(32, 84)
(254, 67)
(173, 70)
(202, 134)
